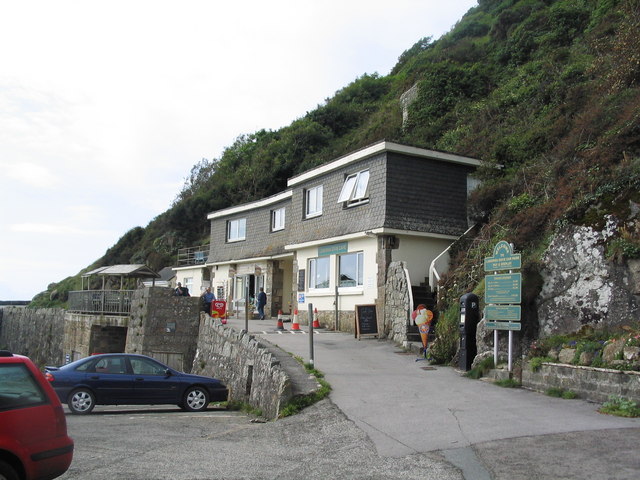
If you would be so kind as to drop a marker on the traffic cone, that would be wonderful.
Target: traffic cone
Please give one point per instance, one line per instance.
(316, 323)
(295, 325)
(280, 324)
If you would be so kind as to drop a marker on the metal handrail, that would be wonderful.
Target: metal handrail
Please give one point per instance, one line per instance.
(112, 302)
(193, 255)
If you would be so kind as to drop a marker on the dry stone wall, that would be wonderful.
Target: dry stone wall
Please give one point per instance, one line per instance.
(253, 374)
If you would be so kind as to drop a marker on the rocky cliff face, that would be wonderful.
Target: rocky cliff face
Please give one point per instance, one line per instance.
(583, 287)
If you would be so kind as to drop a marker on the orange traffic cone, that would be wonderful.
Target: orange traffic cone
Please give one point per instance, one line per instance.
(295, 325)
(316, 323)
(280, 324)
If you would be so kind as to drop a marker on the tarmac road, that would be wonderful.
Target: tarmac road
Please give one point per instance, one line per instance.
(487, 431)
(386, 418)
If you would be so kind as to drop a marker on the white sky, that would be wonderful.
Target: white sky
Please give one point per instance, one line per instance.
(106, 105)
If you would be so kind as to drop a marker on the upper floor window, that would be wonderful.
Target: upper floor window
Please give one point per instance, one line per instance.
(277, 219)
(354, 189)
(313, 202)
(236, 230)
(350, 268)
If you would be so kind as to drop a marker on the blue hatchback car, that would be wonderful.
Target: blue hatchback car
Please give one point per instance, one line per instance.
(130, 379)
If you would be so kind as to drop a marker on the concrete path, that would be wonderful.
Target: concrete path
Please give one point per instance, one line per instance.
(407, 407)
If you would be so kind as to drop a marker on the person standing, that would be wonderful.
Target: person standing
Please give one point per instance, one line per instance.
(207, 298)
(261, 302)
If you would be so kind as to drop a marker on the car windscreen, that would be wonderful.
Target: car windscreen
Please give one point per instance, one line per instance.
(18, 388)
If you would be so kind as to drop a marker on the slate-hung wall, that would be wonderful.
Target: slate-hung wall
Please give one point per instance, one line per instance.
(259, 240)
(426, 195)
(336, 219)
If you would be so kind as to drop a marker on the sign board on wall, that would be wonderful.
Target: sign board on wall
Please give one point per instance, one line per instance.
(333, 249)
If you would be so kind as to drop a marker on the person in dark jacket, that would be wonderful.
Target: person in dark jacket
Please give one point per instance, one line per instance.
(261, 302)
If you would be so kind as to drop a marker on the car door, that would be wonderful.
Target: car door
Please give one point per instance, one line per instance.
(152, 382)
(111, 380)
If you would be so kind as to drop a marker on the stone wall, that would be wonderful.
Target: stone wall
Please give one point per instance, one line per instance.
(397, 302)
(164, 326)
(252, 373)
(593, 384)
(37, 333)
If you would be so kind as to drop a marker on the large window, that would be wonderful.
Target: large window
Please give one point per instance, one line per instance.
(354, 189)
(313, 202)
(236, 230)
(319, 272)
(350, 268)
(277, 219)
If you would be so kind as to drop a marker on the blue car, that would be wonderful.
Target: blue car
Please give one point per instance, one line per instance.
(130, 379)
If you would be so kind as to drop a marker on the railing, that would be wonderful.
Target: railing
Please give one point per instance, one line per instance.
(111, 302)
(193, 255)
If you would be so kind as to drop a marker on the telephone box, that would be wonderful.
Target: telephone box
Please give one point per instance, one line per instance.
(469, 318)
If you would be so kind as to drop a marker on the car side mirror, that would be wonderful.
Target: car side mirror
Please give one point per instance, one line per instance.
(167, 372)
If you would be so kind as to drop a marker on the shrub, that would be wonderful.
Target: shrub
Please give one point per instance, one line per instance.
(620, 406)
(445, 345)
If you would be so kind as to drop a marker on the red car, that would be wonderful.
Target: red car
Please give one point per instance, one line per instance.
(34, 444)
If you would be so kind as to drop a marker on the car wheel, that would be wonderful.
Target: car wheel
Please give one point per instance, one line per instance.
(7, 472)
(196, 399)
(81, 401)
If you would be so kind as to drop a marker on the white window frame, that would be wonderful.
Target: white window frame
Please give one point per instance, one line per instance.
(237, 230)
(355, 188)
(312, 268)
(359, 270)
(313, 202)
(278, 218)
(188, 282)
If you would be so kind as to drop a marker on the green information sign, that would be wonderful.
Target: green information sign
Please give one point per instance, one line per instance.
(504, 326)
(503, 288)
(502, 312)
(333, 249)
(503, 258)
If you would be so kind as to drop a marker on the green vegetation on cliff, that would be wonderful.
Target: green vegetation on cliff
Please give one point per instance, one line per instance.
(547, 90)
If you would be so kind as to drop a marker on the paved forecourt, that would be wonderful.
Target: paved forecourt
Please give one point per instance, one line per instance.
(406, 406)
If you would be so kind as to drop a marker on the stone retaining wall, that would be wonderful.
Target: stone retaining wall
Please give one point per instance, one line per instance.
(252, 373)
(36, 333)
(590, 383)
(397, 303)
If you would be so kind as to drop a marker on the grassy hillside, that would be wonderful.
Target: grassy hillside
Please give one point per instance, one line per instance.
(548, 91)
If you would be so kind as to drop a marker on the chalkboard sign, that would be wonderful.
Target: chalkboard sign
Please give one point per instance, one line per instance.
(301, 280)
(366, 321)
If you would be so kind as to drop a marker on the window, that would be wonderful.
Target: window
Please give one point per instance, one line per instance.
(354, 189)
(350, 269)
(319, 272)
(313, 200)
(144, 366)
(188, 283)
(277, 219)
(18, 388)
(236, 230)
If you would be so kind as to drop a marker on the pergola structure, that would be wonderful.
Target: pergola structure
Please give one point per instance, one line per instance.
(122, 271)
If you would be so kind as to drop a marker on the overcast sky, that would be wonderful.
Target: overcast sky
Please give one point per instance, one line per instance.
(106, 105)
